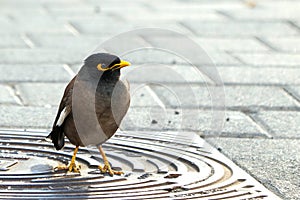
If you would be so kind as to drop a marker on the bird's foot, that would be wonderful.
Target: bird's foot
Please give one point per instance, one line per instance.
(72, 167)
(107, 169)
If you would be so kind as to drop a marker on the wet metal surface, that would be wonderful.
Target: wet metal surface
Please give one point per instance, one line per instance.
(162, 166)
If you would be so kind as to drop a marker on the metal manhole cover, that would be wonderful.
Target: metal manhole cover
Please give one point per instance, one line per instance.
(155, 169)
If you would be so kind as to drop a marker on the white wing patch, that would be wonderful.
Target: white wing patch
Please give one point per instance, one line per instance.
(64, 113)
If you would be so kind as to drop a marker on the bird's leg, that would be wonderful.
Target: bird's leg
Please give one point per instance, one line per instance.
(107, 168)
(72, 167)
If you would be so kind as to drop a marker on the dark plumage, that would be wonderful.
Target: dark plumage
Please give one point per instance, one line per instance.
(95, 97)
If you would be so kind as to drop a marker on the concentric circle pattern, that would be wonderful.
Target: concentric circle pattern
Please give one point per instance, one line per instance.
(162, 166)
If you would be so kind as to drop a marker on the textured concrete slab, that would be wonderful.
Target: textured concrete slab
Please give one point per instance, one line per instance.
(268, 13)
(179, 15)
(42, 24)
(294, 91)
(278, 172)
(213, 44)
(162, 56)
(26, 117)
(194, 6)
(41, 94)
(100, 27)
(281, 124)
(287, 44)
(42, 56)
(231, 44)
(156, 73)
(236, 124)
(270, 59)
(33, 73)
(260, 76)
(7, 95)
(242, 29)
(85, 43)
(12, 41)
(193, 96)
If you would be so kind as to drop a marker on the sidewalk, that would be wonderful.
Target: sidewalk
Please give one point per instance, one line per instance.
(254, 44)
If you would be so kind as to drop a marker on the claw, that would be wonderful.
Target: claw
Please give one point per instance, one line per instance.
(107, 168)
(72, 167)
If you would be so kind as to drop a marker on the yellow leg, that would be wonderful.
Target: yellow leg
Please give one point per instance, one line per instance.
(72, 167)
(107, 168)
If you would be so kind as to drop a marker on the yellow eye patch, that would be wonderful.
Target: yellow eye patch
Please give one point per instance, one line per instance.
(99, 67)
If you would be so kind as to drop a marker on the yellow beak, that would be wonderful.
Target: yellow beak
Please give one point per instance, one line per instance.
(114, 67)
(122, 64)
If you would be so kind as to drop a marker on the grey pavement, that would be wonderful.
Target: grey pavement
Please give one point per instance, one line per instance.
(255, 46)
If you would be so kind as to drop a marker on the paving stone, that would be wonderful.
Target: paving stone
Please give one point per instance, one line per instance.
(113, 11)
(294, 91)
(124, 45)
(84, 43)
(143, 96)
(246, 28)
(170, 25)
(42, 56)
(236, 97)
(84, 14)
(6, 96)
(101, 28)
(221, 59)
(198, 5)
(266, 12)
(69, 9)
(41, 94)
(232, 44)
(281, 123)
(212, 44)
(290, 44)
(236, 125)
(274, 162)
(33, 73)
(26, 117)
(164, 56)
(270, 59)
(178, 15)
(161, 74)
(96, 26)
(31, 3)
(297, 24)
(12, 41)
(5, 22)
(40, 22)
(56, 5)
(260, 76)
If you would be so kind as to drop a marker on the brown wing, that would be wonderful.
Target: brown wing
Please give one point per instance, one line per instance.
(66, 100)
(57, 134)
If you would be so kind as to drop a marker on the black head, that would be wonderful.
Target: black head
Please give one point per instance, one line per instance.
(105, 62)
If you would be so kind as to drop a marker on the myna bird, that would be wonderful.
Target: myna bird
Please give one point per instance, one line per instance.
(96, 92)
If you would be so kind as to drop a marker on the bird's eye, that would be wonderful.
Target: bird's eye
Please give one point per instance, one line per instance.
(101, 67)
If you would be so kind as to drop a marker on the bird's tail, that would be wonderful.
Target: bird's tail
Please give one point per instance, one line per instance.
(58, 137)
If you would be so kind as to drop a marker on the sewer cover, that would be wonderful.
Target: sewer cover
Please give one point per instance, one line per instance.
(162, 166)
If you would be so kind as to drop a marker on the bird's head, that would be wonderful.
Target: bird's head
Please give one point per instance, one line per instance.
(105, 62)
